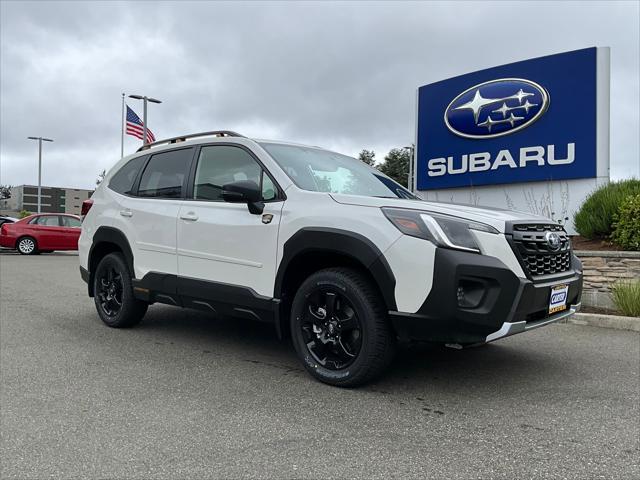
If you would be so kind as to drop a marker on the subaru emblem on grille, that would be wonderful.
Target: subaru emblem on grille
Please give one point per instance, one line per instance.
(553, 240)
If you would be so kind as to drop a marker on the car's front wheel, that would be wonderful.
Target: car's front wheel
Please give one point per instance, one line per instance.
(340, 328)
(113, 293)
(27, 246)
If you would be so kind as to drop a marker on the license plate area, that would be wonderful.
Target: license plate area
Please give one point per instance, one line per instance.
(558, 298)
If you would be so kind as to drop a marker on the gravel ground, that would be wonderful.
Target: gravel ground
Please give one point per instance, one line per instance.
(188, 396)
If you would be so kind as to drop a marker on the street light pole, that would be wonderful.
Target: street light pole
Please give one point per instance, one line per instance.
(411, 167)
(40, 140)
(144, 99)
(144, 121)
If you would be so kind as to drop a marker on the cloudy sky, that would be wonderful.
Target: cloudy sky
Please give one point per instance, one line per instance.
(339, 75)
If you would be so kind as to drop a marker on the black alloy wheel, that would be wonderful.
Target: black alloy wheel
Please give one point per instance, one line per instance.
(331, 329)
(340, 327)
(113, 293)
(110, 291)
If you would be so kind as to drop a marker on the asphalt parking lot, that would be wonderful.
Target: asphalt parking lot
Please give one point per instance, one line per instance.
(188, 396)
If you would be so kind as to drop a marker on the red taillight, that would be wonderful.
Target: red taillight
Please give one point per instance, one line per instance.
(86, 206)
(3, 229)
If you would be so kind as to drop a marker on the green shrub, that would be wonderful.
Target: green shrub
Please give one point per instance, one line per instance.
(596, 215)
(626, 227)
(24, 213)
(626, 296)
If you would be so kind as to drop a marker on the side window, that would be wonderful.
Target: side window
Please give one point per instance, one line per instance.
(70, 222)
(46, 220)
(122, 181)
(164, 174)
(222, 164)
(268, 188)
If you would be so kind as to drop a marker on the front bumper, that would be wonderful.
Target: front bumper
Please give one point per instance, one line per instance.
(509, 304)
(511, 328)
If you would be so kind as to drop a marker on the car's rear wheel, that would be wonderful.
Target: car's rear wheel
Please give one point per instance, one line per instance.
(340, 328)
(113, 293)
(27, 246)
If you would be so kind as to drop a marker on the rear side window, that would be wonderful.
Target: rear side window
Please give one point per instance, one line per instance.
(70, 222)
(164, 175)
(122, 181)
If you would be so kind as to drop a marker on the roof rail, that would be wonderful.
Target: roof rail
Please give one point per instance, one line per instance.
(182, 138)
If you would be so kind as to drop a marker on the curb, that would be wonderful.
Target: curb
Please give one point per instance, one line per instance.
(607, 253)
(606, 321)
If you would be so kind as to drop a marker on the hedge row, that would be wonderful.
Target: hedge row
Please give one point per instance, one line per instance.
(612, 212)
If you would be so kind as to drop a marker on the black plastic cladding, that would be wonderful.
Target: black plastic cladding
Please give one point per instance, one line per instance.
(353, 245)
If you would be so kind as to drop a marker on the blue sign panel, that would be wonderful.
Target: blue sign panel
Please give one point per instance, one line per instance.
(528, 121)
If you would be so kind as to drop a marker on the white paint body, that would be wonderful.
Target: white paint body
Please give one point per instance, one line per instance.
(223, 242)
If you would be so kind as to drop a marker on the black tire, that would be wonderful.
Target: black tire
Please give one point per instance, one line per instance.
(353, 355)
(27, 245)
(113, 293)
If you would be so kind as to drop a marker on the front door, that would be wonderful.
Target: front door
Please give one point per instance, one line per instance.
(223, 242)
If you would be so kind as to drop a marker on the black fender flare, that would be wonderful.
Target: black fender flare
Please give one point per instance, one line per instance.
(343, 242)
(113, 236)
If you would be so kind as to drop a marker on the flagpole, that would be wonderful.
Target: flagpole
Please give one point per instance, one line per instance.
(122, 129)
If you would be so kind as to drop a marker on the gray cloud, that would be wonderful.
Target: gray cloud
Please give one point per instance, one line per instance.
(340, 75)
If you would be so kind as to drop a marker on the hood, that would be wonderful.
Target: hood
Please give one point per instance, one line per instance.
(496, 217)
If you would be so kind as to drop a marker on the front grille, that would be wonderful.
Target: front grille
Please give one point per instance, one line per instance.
(534, 252)
(539, 227)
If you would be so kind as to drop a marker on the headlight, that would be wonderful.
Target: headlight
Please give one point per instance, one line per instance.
(443, 230)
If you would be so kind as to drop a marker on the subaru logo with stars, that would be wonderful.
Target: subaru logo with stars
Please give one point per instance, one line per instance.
(496, 108)
(553, 240)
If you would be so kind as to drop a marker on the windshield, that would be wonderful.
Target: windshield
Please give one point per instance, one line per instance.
(323, 171)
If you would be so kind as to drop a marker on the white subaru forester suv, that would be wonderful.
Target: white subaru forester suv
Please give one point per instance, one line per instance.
(324, 247)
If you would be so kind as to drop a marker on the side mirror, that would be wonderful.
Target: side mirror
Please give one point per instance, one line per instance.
(244, 191)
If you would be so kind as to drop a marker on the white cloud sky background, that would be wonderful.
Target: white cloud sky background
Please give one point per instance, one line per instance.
(339, 75)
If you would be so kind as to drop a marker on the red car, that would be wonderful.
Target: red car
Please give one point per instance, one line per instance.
(41, 233)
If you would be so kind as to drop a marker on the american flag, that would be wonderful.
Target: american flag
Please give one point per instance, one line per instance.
(135, 126)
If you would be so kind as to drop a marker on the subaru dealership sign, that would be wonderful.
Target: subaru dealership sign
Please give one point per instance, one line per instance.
(533, 123)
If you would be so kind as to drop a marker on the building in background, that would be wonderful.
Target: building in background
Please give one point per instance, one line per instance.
(54, 200)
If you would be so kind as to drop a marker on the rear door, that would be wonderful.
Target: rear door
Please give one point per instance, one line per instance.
(149, 214)
(222, 242)
(71, 231)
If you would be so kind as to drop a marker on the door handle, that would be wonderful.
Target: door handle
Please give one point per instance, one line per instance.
(191, 217)
(126, 213)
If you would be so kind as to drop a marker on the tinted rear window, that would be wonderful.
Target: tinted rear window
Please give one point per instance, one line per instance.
(122, 181)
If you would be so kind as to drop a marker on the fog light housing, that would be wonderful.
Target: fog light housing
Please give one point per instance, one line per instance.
(470, 293)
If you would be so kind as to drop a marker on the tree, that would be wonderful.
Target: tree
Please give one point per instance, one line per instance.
(101, 176)
(368, 157)
(5, 191)
(396, 165)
